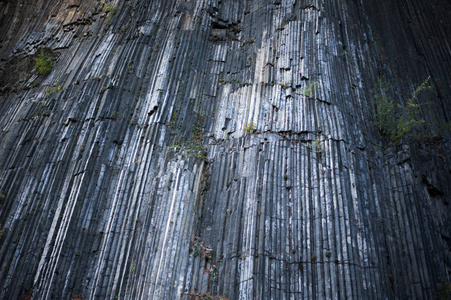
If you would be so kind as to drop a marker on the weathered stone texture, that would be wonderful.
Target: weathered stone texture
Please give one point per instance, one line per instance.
(127, 172)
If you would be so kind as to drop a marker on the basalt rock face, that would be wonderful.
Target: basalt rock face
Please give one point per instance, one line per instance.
(185, 147)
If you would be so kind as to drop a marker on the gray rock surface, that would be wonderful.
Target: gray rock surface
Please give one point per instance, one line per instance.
(127, 171)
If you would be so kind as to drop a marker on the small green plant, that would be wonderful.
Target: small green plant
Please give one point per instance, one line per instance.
(410, 118)
(43, 63)
(384, 109)
(109, 8)
(308, 90)
(207, 187)
(249, 128)
(195, 251)
(316, 145)
(52, 90)
(396, 121)
(196, 143)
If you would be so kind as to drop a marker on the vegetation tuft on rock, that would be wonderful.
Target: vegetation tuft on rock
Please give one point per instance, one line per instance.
(43, 63)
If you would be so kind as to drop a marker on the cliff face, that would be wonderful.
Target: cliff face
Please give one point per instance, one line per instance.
(222, 146)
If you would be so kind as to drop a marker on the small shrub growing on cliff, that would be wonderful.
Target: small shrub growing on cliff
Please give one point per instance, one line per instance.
(51, 90)
(109, 8)
(196, 143)
(309, 89)
(43, 63)
(317, 144)
(249, 128)
(397, 121)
